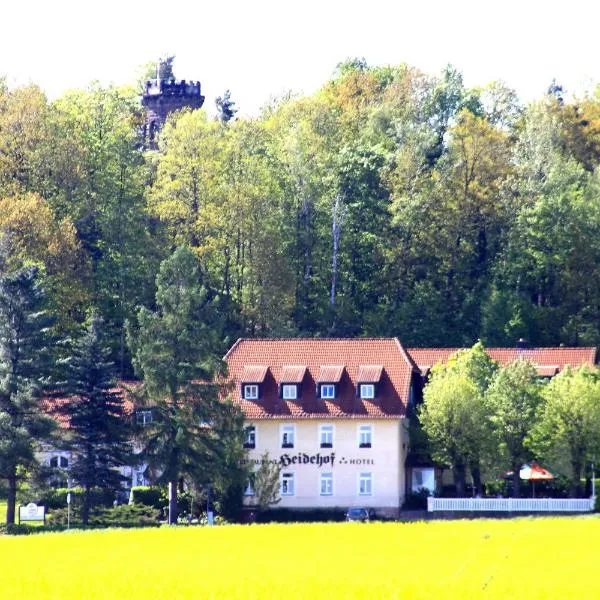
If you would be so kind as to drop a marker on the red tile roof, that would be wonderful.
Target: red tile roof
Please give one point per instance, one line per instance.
(369, 373)
(254, 373)
(293, 374)
(392, 392)
(330, 373)
(548, 360)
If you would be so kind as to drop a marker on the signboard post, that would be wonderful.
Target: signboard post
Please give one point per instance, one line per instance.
(32, 512)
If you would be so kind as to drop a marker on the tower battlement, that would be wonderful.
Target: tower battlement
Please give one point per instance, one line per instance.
(163, 96)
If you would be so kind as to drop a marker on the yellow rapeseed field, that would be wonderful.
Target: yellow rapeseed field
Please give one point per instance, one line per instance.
(524, 558)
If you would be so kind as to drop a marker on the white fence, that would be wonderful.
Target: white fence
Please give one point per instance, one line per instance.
(511, 504)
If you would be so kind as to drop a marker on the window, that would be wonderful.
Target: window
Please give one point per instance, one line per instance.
(365, 484)
(287, 436)
(59, 462)
(290, 392)
(326, 484)
(143, 417)
(287, 484)
(328, 391)
(367, 390)
(326, 436)
(250, 437)
(251, 392)
(365, 436)
(139, 479)
(249, 491)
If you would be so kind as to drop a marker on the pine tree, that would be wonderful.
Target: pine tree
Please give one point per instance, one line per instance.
(99, 428)
(25, 370)
(175, 350)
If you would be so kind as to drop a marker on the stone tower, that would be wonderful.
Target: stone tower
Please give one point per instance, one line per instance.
(164, 95)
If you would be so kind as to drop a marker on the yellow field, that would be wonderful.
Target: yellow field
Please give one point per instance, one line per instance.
(532, 558)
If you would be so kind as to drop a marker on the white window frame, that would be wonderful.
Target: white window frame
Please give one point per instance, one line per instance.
(60, 459)
(288, 476)
(287, 429)
(143, 417)
(367, 391)
(329, 387)
(250, 426)
(250, 391)
(289, 391)
(365, 476)
(324, 429)
(363, 428)
(326, 477)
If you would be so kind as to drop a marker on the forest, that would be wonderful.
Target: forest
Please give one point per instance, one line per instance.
(391, 202)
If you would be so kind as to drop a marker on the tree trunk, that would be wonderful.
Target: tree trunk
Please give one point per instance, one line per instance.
(576, 484)
(11, 501)
(85, 509)
(516, 486)
(476, 474)
(173, 502)
(460, 475)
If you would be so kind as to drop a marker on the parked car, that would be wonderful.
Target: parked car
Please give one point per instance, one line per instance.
(364, 515)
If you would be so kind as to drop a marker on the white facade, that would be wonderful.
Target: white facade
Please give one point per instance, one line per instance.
(337, 463)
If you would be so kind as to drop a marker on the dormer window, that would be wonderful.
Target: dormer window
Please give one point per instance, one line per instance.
(289, 391)
(252, 378)
(367, 381)
(143, 417)
(251, 391)
(367, 391)
(327, 391)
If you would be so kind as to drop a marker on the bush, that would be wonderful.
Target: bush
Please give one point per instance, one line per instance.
(124, 515)
(149, 496)
(290, 515)
(57, 498)
(416, 500)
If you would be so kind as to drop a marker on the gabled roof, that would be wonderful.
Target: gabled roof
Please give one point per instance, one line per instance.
(293, 374)
(254, 373)
(330, 373)
(330, 360)
(549, 361)
(369, 373)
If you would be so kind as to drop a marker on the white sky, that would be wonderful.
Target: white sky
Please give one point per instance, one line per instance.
(260, 48)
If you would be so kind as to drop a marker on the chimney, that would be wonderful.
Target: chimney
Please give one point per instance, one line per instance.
(522, 344)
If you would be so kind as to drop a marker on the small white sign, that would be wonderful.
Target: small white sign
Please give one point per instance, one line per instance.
(32, 512)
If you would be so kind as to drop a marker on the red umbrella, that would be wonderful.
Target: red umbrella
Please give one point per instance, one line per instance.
(533, 473)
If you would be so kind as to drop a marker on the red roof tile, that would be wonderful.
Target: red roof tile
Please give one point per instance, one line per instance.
(293, 374)
(330, 373)
(316, 354)
(547, 358)
(254, 373)
(369, 373)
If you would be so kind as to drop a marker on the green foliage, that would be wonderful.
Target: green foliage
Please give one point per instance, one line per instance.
(195, 434)
(123, 515)
(149, 496)
(56, 498)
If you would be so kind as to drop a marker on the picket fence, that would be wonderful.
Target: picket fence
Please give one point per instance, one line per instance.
(511, 504)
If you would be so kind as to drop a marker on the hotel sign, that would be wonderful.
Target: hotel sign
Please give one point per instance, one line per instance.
(318, 460)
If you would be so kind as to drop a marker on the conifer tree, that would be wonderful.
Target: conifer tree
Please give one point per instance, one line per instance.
(176, 352)
(99, 426)
(25, 370)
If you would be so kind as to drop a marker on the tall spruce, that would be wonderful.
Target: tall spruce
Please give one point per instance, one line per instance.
(25, 374)
(99, 429)
(176, 352)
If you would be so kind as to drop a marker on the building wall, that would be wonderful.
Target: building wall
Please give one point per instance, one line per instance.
(346, 461)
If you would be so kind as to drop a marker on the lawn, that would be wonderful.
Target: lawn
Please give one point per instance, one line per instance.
(533, 558)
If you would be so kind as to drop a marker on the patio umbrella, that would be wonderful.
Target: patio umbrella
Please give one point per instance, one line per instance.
(533, 473)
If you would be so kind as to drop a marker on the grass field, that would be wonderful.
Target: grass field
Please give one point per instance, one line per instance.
(533, 558)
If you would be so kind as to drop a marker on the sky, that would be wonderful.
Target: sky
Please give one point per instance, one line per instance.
(263, 48)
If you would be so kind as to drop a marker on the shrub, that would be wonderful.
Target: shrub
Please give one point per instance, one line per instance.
(149, 496)
(124, 515)
(290, 515)
(416, 500)
(57, 498)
